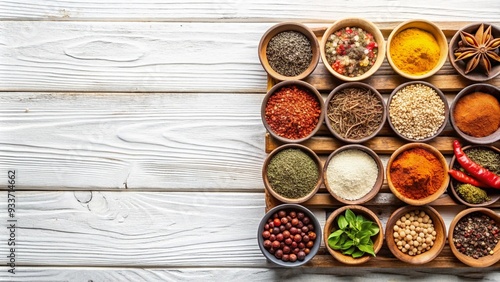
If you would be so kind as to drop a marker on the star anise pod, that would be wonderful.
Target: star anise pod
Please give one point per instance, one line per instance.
(479, 49)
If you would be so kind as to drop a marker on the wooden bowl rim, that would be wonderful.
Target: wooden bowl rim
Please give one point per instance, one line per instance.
(378, 183)
(311, 154)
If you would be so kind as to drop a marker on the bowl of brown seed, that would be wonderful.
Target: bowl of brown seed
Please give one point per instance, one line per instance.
(417, 111)
(289, 51)
(354, 112)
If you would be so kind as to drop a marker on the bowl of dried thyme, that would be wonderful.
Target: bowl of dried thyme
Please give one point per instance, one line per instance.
(292, 173)
(289, 51)
(354, 112)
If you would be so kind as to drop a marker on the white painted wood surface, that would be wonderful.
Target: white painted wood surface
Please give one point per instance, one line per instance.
(140, 123)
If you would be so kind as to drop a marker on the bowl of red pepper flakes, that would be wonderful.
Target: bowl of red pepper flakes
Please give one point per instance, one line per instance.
(352, 49)
(292, 111)
(467, 189)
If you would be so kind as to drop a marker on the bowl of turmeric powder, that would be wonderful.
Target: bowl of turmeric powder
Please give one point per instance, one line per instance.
(417, 173)
(417, 49)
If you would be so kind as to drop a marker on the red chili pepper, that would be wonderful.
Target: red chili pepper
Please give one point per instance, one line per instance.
(475, 170)
(464, 178)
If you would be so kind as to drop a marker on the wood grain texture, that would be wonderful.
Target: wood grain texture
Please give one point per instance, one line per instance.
(159, 141)
(206, 10)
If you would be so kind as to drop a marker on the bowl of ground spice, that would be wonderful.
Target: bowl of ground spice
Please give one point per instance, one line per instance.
(354, 112)
(474, 53)
(466, 188)
(474, 236)
(292, 173)
(417, 49)
(415, 235)
(292, 111)
(475, 113)
(289, 51)
(352, 49)
(417, 173)
(353, 174)
(417, 111)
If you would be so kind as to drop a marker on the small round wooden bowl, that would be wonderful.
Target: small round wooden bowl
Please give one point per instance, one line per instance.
(439, 227)
(426, 26)
(354, 85)
(440, 94)
(331, 226)
(428, 199)
(478, 87)
(311, 154)
(376, 187)
(483, 261)
(366, 26)
(301, 84)
(288, 26)
(478, 74)
(494, 194)
(296, 208)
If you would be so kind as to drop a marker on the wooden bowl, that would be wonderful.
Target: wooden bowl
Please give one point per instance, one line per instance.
(476, 75)
(311, 154)
(492, 193)
(288, 26)
(426, 26)
(296, 208)
(480, 262)
(301, 84)
(366, 26)
(478, 87)
(440, 94)
(331, 226)
(376, 187)
(430, 198)
(435, 250)
(354, 85)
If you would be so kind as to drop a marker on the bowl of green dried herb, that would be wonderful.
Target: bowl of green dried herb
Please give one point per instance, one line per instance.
(289, 51)
(292, 173)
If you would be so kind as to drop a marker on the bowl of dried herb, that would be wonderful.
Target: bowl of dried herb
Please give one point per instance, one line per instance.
(474, 51)
(289, 51)
(292, 173)
(354, 112)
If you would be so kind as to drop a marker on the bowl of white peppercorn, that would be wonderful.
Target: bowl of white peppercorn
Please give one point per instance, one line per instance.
(353, 174)
(289, 51)
(417, 111)
(415, 235)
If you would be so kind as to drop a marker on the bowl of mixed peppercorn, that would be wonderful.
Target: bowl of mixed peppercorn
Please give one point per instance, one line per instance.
(474, 235)
(352, 49)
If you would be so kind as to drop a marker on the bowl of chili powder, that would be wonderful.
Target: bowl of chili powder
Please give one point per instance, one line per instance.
(417, 173)
(292, 111)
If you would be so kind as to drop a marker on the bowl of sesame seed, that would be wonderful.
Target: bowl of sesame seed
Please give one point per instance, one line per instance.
(417, 111)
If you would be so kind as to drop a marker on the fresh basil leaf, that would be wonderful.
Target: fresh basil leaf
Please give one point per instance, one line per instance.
(333, 241)
(374, 229)
(359, 222)
(342, 222)
(350, 216)
(347, 245)
(365, 238)
(358, 254)
(349, 251)
(337, 233)
(367, 249)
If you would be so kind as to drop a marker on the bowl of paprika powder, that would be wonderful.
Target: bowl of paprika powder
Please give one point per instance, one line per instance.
(417, 173)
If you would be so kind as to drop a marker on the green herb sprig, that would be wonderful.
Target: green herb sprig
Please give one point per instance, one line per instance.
(354, 235)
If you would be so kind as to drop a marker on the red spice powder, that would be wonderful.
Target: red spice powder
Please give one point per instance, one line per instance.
(292, 112)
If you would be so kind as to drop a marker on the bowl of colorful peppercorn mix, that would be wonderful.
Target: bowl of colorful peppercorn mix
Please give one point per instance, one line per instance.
(289, 51)
(353, 234)
(353, 174)
(355, 112)
(417, 111)
(473, 237)
(417, 173)
(475, 113)
(415, 235)
(289, 235)
(474, 53)
(292, 111)
(417, 49)
(469, 182)
(292, 173)
(352, 49)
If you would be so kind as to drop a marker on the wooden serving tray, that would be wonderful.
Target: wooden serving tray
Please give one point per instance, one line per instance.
(384, 144)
